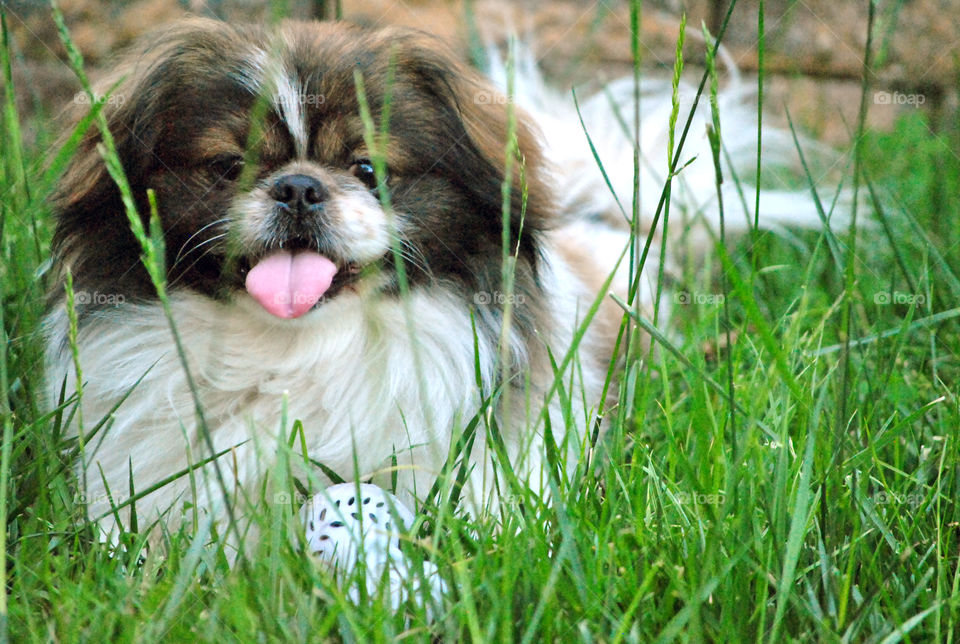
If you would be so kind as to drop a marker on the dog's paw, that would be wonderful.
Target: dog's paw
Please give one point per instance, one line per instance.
(349, 525)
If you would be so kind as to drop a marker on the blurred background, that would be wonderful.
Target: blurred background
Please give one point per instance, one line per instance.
(814, 48)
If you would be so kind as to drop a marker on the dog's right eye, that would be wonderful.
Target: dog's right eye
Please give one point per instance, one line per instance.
(226, 167)
(363, 170)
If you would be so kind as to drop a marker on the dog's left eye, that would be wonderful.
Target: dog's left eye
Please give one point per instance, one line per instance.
(363, 169)
(227, 167)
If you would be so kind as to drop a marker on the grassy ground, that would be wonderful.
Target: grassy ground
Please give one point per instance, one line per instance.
(819, 505)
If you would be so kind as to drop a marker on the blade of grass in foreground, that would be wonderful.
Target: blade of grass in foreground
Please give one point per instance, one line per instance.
(13, 167)
(14, 164)
(153, 258)
(800, 514)
(4, 485)
(843, 414)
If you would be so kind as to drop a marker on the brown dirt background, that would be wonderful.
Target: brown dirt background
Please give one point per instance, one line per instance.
(814, 48)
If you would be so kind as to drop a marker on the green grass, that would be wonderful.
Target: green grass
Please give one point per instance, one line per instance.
(830, 514)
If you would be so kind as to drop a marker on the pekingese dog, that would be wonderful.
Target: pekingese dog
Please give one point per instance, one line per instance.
(361, 233)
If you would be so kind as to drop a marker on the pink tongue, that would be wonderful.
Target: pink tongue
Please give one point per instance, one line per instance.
(290, 284)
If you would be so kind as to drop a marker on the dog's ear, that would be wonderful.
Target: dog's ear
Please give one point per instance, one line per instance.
(487, 115)
(477, 126)
(91, 224)
(136, 95)
(92, 229)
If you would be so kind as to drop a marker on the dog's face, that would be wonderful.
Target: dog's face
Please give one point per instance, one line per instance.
(258, 150)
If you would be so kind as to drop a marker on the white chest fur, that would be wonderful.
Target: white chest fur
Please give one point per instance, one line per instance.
(366, 380)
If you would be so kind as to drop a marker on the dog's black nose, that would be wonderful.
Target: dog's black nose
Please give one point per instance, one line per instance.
(299, 192)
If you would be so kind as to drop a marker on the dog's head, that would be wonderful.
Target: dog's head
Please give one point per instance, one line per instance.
(300, 164)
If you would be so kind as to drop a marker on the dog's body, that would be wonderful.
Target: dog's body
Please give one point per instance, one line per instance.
(382, 365)
(388, 399)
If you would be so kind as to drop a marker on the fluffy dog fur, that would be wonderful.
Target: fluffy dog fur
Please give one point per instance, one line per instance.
(213, 118)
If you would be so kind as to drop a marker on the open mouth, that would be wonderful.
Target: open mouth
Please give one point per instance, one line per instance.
(292, 281)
